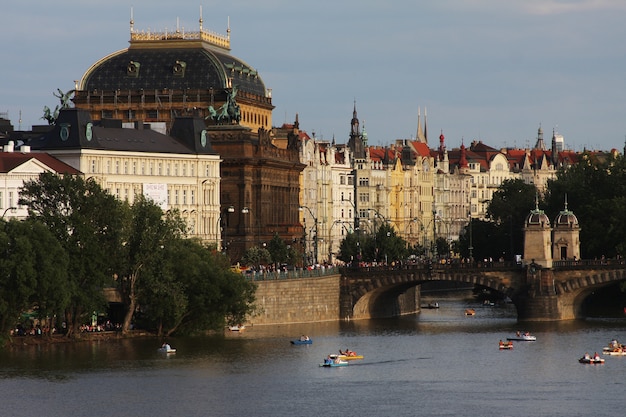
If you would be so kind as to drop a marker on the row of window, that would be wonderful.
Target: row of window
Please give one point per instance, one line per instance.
(181, 197)
(151, 168)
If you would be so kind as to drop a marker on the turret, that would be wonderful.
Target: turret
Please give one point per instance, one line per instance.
(537, 238)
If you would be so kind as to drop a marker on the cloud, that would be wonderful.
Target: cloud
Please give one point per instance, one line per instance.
(551, 7)
(536, 7)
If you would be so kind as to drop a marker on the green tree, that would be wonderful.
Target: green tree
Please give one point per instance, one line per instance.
(386, 245)
(256, 256)
(350, 248)
(484, 238)
(33, 268)
(594, 190)
(443, 247)
(193, 290)
(278, 249)
(508, 209)
(87, 221)
(148, 231)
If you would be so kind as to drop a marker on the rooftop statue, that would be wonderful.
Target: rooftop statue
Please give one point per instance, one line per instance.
(50, 116)
(228, 112)
(64, 97)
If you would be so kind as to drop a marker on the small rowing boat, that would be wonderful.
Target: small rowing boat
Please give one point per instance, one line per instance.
(523, 337)
(505, 345)
(333, 361)
(591, 360)
(167, 349)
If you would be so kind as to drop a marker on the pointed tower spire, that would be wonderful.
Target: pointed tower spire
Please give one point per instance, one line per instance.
(354, 123)
(425, 126)
(555, 156)
(419, 136)
(540, 144)
(463, 160)
(355, 143)
(442, 146)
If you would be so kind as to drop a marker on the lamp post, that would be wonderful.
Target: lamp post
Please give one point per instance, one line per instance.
(471, 246)
(434, 231)
(221, 227)
(330, 240)
(7, 209)
(378, 214)
(246, 210)
(356, 228)
(315, 239)
(407, 230)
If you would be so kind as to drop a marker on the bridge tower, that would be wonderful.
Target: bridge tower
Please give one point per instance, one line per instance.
(566, 240)
(538, 238)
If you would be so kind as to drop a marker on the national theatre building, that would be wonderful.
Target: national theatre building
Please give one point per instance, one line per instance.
(188, 85)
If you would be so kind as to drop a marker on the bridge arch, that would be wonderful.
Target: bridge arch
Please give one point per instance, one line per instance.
(538, 295)
(386, 292)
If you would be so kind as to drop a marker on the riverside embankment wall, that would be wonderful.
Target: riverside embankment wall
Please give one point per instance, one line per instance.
(301, 300)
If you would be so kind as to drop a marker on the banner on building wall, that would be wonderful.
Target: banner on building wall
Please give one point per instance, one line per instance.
(156, 193)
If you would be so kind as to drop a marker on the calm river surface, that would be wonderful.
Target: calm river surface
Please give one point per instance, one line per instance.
(438, 363)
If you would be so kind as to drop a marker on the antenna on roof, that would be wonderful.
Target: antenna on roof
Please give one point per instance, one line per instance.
(200, 21)
(132, 21)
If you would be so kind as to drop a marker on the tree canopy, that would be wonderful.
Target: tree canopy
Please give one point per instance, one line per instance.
(595, 191)
(80, 240)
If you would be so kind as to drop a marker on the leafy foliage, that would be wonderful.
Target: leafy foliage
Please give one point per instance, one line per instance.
(382, 246)
(508, 208)
(84, 219)
(193, 290)
(256, 256)
(79, 240)
(595, 191)
(147, 232)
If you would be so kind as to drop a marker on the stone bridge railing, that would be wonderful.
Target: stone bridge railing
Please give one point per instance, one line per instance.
(539, 294)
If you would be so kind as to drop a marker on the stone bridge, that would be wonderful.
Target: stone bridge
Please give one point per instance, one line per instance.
(538, 294)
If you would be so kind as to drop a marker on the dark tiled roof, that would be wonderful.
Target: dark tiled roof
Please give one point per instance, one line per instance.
(205, 68)
(118, 138)
(133, 140)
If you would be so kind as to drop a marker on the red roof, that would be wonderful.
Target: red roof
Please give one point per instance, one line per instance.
(11, 160)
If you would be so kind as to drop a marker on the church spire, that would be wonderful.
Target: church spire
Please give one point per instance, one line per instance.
(555, 152)
(463, 160)
(354, 124)
(425, 126)
(419, 136)
(355, 143)
(442, 145)
(540, 144)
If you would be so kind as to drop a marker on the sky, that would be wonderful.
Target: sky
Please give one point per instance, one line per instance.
(489, 70)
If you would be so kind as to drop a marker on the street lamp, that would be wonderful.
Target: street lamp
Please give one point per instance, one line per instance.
(434, 231)
(471, 247)
(221, 227)
(407, 231)
(330, 239)
(7, 209)
(315, 239)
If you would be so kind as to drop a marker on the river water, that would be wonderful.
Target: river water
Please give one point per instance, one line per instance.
(437, 363)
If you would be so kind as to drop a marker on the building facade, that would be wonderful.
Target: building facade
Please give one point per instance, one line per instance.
(165, 76)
